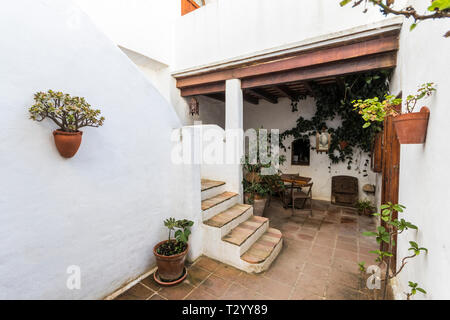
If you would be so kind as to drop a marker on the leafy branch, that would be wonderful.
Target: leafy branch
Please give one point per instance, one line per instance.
(385, 235)
(438, 9)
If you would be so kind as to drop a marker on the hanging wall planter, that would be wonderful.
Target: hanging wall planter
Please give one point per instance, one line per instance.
(411, 128)
(70, 114)
(67, 143)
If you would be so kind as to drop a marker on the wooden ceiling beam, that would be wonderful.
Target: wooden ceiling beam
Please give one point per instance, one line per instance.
(206, 88)
(251, 99)
(308, 87)
(260, 93)
(382, 61)
(306, 59)
(216, 96)
(287, 92)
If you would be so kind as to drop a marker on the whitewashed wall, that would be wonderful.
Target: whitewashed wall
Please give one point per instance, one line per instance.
(424, 173)
(103, 209)
(279, 116)
(227, 29)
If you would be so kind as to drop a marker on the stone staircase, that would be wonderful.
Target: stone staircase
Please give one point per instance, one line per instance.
(232, 234)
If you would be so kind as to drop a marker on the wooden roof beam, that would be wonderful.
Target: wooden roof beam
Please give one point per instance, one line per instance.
(260, 93)
(250, 99)
(308, 88)
(302, 60)
(374, 62)
(287, 92)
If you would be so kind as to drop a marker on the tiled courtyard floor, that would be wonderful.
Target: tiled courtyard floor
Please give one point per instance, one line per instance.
(318, 261)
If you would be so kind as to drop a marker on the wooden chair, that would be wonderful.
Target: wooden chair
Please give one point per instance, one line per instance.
(305, 193)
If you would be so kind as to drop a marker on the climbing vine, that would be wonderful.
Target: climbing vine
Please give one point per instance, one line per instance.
(334, 100)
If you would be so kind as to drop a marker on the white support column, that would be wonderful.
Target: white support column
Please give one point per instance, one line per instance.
(234, 122)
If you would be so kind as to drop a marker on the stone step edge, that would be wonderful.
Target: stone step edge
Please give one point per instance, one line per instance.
(228, 198)
(249, 236)
(278, 235)
(224, 225)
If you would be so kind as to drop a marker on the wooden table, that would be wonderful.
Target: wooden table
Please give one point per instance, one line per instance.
(295, 181)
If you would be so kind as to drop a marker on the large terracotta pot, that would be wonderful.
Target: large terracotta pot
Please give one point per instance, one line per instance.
(259, 204)
(67, 143)
(170, 268)
(411, 128)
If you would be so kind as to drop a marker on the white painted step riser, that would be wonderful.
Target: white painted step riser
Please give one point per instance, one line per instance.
(253, 238)
(227, 253)
(211, 212)
(234, 223)
(225, 250)
(213, 192)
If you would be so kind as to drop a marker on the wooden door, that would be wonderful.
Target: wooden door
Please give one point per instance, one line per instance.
(390, 170)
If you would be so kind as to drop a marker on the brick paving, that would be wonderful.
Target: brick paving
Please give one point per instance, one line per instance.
(318, 261)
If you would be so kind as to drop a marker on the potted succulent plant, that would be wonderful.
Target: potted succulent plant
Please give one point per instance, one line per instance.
(171, 254)
(70, 114)
(411, 127)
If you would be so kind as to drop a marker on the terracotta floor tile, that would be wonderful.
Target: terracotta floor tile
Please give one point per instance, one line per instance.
(316, 271)
(215, 285)
(345, 278)
(251, 281)
(312, 284)
(151, 283)
(227, 272)
(177, 292)
(275, 290)
(137, 292)
(200, 294)
(196, 275)
(339, 292)
(156, 297)
(303, 294)
(238, 292)
(207, 263)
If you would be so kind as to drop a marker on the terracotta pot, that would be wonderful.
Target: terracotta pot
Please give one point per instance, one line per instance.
(259, 205)
(411, 128)
(67, 143)
(170, 268)
(343, 144)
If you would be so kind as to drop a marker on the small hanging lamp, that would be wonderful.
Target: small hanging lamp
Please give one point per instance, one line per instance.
(194, 107)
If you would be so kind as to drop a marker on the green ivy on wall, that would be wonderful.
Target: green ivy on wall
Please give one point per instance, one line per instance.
(335, 100)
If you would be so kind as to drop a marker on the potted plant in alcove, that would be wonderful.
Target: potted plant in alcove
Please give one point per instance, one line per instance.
(171, 253)
(70, 114)
(410, 127)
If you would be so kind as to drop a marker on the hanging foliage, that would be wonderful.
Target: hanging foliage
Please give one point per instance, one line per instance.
(335, 100)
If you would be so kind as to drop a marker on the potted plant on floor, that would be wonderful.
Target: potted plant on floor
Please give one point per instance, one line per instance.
(171, 254)
(70, 114)
(364, 207)
(411, 127)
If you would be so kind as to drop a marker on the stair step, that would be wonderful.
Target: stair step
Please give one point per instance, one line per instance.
(227, 216)
(263, 247)
(214, 201)
(209, 184)
(244, 230)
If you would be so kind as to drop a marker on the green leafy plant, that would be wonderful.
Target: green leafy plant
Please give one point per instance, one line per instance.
(364, 206)
(373, 110)
(69, 113)
(385, 236)
(334, 100)
(414, 288)
(181, 229)
(438, 9)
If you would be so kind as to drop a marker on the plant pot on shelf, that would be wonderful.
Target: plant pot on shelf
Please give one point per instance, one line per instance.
(67, 143)
(411, 128)
(170, 268)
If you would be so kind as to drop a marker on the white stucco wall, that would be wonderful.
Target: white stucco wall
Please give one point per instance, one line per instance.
(226, 29)
(279, 116)
(102, 210)
(424, 173)
(144, 26)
